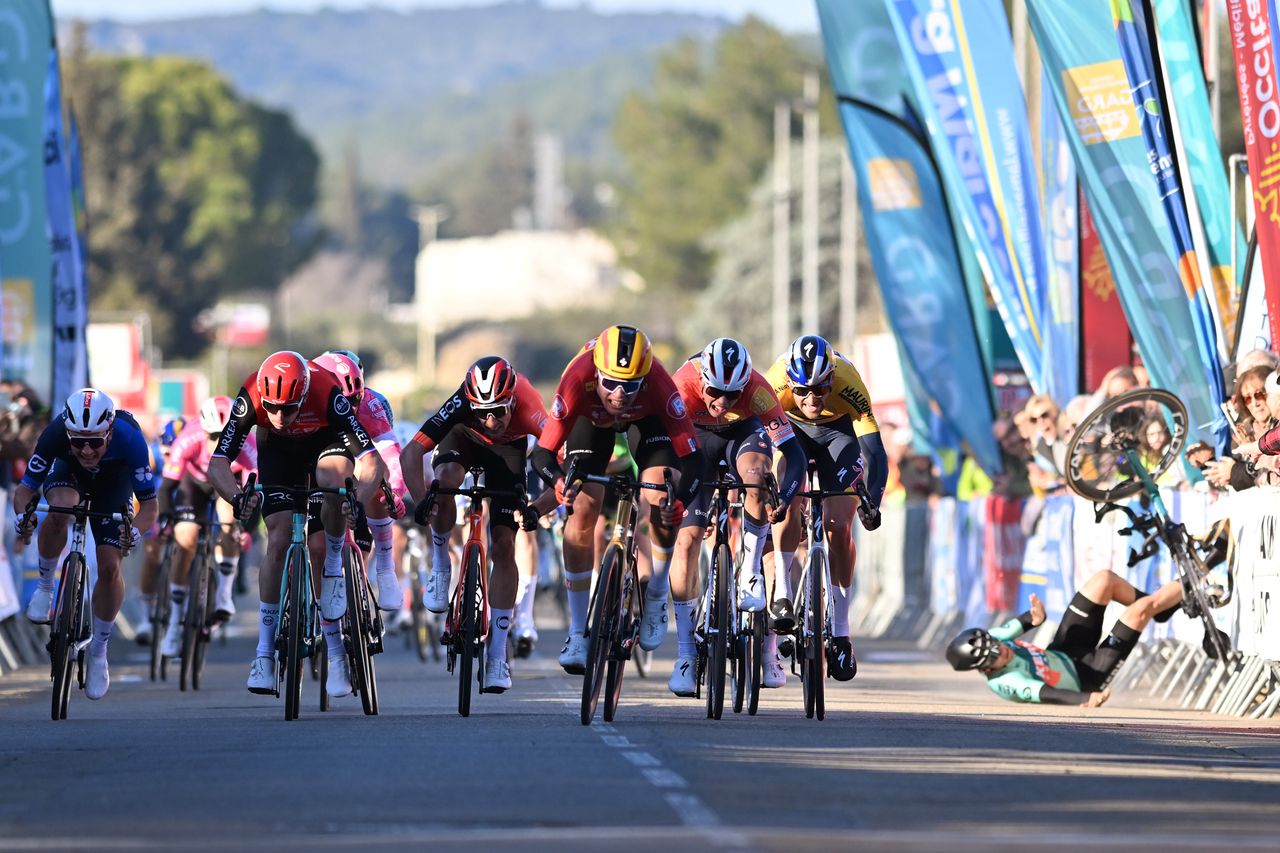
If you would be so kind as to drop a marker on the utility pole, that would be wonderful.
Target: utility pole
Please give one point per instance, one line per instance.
(809, 212)
(781, 226)
(848, 256)
(429, 218)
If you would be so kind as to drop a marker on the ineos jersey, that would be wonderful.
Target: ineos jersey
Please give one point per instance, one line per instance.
(323, 409)
(527, 418)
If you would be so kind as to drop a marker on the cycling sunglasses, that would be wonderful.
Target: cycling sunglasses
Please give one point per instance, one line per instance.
(482, 412)
(810, 390)
(628, 386)
(717, 393)
(93, 441)
(281, 408)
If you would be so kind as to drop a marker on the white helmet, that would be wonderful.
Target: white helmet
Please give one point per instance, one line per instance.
(214, 413)
(725, 365)
(89, 411)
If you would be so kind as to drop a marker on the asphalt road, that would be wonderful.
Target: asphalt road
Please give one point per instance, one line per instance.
(910, 757)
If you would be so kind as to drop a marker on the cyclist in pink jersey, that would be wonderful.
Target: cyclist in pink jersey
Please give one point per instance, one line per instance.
(186, 472)
(375, 416)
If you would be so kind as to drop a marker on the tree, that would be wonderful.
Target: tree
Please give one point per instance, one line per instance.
(192, 192)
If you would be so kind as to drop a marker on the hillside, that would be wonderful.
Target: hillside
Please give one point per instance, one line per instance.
(416, 87)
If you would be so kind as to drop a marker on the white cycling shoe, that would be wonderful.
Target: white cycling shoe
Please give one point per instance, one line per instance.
(390, 595)
(775, 674)
(338, 679)
(497, 676)
(333, 597)
(654, 627)
(171, 645)
(262, 676)
(40, 607)
(751, 593)
(435, 595)
(97, 677)
(682, 681)
(573, 657)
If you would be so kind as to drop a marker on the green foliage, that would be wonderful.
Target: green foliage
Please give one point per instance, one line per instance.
(695, 146)
(193, 193)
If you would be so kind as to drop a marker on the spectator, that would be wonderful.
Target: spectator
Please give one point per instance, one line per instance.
(1014, 456)
(1251, 402)
(1154, 440)
(1115, 382)
(1047, 448)
(918, 478)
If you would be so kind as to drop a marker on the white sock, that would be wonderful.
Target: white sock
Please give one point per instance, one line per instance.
(267, 616)
(48, 565)
(101, 636)
(178, 595)
(333, 637)
(333, 554)
(839, 611)
(381, 528)
(148, 602)
(685, 613)
(782, 573)
(660, 580)
(579, 600)
(226, 577)
(441, 560)
(753, 536)
(499, 627)
(524, 604)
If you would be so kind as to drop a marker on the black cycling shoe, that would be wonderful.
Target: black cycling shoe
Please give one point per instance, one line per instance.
(841, 662)
(524, 647)
(786, 647)
(784, 616)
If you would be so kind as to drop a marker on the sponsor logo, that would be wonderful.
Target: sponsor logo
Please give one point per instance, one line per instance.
(37, 464)
(1100, 101)
(762, 401)
(860, 404)
(894, 186)
(143, 474)
(452, 405)
(675, 406)
(558, 408)
(693, 445)
(240, 407)
(341, 405)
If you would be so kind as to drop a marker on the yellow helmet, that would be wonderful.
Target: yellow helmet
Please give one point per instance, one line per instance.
(623, 352)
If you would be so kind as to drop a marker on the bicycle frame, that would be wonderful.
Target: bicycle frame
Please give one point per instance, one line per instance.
(474, 544)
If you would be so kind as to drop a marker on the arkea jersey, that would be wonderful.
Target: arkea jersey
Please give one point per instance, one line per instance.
(190, 454)
(756, 400)
(848, 397)
(128, 449)
(528, 417)
(576, 397)
(323, 408)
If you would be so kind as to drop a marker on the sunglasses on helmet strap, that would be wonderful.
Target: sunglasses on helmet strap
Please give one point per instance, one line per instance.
(627, 386)
(92, 441)
(281, 408)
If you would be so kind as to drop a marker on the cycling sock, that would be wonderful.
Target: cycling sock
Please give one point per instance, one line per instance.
(333, 554)
(178, 595)
(47, 567)
(267, 616)
(227, 567)
(381, 528)
(101, 636)
(499, 627)
(685, 611)
(782, 573)
(148, 603)
(333, 637)
(753, 536)
(839, 611)
(226, 576)
(660, 580)
(579, 600)
(524, 604)
(440, 559)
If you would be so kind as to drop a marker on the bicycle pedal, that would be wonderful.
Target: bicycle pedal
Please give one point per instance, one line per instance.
(787, 647)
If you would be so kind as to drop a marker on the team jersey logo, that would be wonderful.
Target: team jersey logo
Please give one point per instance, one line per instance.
(240, 407)
(675, 406)
(143, 474)
(761, 401)
(558, 408)
(341, 405)
(36, 465)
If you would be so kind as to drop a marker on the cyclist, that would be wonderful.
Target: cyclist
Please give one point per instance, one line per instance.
(88, 450)
(375, 415)
(1074, 669)
(830, 410)
(739, 424)
(613, 384)
(152, 547)
(306, 428)
(484, 424)
(186, 473)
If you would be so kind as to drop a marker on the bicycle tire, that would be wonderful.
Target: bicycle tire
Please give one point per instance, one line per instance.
(755, 672)
(1084, 473)
(66, 627)
(421, 630)
(298, 577)
(193, 614)
(324, 681)
(718, 642)
(353, 622)
(602, 629)
(1192, 572)
(160, 611)
(204, 626)
(817, 614)
(469, 630)
(643, 660)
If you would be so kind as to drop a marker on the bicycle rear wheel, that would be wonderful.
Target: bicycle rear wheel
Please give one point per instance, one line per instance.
(160, 612)
(296, 566)
(469, 629)
(718, 641)
(755, 669)
(602, 629)
(627, 618)
(66, 628)
(193, 618)
(204, 632)
(418, 610)
(354, 625)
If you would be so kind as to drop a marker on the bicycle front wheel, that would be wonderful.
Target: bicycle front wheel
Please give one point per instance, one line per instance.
(813, 664)
(355, 626)
(755, 662)
(66, 628)
(469, 629)
(299, 577)
(159, 614)
(193, 619)
(718, 639)
(602, 629)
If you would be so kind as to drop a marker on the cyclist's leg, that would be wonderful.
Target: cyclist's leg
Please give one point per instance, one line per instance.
(504, 471)
(148, 577)
(654, 454)
(112, 488)
(685, 593)
(591, 446)
(752, 452)
(228, 549)
(333, 468)
(61, 488)
(838, 469)
(382, 559)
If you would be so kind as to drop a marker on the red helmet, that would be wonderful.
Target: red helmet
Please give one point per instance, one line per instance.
(491, 382)
(284, 379)
(346, 371)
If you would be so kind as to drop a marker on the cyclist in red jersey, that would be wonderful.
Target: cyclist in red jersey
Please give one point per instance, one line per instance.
(306, 427)
(186, 474)
(612, 385)
(740, 423)
(485, 423)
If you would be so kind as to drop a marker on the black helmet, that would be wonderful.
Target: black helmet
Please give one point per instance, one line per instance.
(972, 649)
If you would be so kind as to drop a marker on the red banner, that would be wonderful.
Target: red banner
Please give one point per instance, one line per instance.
(1006, 545)
(1105, 339)
(1260, 115)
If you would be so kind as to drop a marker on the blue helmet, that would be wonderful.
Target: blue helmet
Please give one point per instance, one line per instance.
(171, 429)
(810, 361)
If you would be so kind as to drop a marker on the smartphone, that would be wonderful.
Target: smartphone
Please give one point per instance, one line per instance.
(1229, 410)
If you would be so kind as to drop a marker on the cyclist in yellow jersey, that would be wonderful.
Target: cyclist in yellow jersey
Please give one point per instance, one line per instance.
(829, 408)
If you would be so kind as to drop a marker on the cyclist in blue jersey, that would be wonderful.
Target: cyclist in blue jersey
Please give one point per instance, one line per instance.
(92, 450)
(1073, 669)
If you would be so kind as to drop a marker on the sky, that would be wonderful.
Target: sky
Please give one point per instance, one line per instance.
(790, 15)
